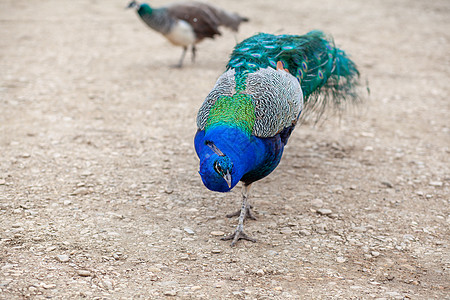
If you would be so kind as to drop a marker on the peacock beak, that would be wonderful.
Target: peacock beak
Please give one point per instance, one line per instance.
(227, 178)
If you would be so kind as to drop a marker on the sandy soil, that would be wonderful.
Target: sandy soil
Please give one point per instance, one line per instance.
(99, 192)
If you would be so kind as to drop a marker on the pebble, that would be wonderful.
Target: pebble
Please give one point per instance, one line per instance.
(409, 237)
(107, 284)
(2, 181)
(285, 230)
(217, 233)
(387, 184)
(62, 258)
(189, 230)
(195, 288)
(83, 273)
(317, 203)
(304, 232)
(80, 191)
(360, 229)
(435, 183)
(375, 253)
(216, 251)
(170, 293)
(86, 173)
(324, 211)
(48, 286)
(340, 259)
(260, 272)
(154, 269)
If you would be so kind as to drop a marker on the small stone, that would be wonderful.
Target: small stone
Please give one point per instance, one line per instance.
(189, 231)
(375, 253)
(86, 173)
(324, 211)
(117, 255)
(340, 259)
(170, 293)
(80, 191)
(107, 284)
(436, 183)
(260, 272)
(196, 288)
(387, 184)
(318, 203)
(83, 273)
(217, 233)
(360, 229)
(409, 237)
(154, 269)
(25, 155)
(48, 286)
(62, 258)
(285, 230)
(278, 288)
(2, 181)
(50, 249)
(216, 251)
(304, 232)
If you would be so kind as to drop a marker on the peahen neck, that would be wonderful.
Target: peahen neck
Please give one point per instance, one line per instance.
(156, 18)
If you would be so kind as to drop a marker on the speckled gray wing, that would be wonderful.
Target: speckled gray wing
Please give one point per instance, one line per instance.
(200, 16)
(276, 94)
(278, 100)
(225, 86)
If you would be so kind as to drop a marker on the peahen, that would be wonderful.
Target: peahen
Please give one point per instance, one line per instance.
(246, 120)
(186, 24)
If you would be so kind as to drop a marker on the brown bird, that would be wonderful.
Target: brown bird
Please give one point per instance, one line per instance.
(186, 24)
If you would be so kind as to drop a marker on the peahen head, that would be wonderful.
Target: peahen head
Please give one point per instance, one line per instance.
(217, 170)
(133, 4)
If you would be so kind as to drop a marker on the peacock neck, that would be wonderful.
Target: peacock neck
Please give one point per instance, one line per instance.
(156, 18)
(239, 146)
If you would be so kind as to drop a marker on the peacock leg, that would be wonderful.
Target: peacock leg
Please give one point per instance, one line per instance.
(194, 51)
(239, 234)
(248, 207)
(183, 54)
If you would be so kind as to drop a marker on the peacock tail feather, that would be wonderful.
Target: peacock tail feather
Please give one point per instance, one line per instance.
(325, 73)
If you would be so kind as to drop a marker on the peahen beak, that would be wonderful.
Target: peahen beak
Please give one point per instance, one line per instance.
(227, 178)
(131, 4)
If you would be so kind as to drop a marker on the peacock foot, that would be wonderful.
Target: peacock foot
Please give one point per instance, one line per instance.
(248, 213)
(239, 234)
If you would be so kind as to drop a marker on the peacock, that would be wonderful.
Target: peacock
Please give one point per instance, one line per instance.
(186, 24)
(247, 118)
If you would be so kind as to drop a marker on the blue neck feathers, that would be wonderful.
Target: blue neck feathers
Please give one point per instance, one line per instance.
(235, 150)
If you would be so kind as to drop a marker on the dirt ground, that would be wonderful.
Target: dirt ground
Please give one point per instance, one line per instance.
(99, 192)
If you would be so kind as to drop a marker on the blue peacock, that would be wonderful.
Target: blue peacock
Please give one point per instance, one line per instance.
(246, 120)
(186, 24)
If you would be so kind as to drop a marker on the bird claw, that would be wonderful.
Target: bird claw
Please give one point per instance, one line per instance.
(239, 234)
(248, 213)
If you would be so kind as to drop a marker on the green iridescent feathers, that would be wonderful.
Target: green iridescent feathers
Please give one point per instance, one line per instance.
(325, 72)
(238, 110)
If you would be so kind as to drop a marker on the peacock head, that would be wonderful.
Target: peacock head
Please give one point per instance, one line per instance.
(217, 170)
(133, 4)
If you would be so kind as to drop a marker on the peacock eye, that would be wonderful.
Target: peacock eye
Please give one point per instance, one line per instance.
(218, 168)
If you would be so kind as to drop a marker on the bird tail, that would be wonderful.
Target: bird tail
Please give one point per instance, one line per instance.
(228, 19)
(325, 72)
